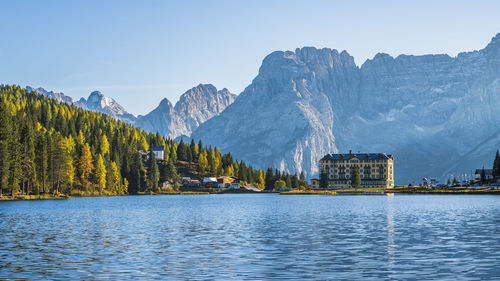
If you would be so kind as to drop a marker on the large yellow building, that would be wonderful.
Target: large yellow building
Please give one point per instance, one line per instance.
(375, 169)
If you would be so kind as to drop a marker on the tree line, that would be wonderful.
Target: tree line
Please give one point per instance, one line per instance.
(47, 147)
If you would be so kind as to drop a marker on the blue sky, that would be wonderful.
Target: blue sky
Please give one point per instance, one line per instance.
(139, 52)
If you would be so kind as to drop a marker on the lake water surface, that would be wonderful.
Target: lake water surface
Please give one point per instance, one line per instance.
(247, 236)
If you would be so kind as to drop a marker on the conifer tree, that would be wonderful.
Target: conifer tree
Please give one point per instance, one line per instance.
(85, 165)
(153, 174)
(269, 179)
(5, 136)
(261, 183)
(356, 179)
(323, 179)
(194, 150)
(115, 184)
(496, 166)
(100, 172)
(288, 181)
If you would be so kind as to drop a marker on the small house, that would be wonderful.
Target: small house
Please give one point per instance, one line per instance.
(226, 181)
(210, 182)
(159, 152)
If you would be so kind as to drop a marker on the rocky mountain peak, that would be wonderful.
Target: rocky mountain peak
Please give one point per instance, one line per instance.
(194, 107)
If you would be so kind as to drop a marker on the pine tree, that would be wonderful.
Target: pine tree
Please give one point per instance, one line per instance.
(496, 166)
(172, 174)
(5, 136)
(194, 150)
(288, 181)
(153, 174)
(483, 176)
(269, 179)
(323, 179)
(15, 172)
(295, 182)
(181, 151)
(29, 169)
(355, 179)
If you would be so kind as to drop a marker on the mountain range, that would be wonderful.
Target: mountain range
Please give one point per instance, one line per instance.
(194, 107)
(438, 115)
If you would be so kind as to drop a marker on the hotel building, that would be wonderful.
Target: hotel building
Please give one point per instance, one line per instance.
(375, 169)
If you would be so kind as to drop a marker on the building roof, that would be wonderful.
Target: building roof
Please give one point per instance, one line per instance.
(361, 156)
(157, 148)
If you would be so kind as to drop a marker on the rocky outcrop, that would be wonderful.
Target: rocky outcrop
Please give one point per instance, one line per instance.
(194, 107)
(429, 111)
(100, 103)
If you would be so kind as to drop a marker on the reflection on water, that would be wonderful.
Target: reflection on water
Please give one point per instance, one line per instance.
(252, 237)
(390, 229)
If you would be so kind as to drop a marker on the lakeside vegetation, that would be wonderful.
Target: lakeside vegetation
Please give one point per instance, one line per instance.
(50, 149)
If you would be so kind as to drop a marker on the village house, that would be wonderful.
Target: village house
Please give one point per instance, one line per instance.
(210, 182)
(375, 169)
(159, 152)
(228, 182)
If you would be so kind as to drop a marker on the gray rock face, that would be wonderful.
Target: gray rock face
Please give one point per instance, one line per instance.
(429, 111)
(194, 107)
(60, 97)
(100, 103)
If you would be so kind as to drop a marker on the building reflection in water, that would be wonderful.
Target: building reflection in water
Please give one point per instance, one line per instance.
(390, 229)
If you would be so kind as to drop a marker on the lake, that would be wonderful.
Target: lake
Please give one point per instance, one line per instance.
(252, 236)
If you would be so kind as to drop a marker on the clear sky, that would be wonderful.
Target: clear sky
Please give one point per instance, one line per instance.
(139, 52)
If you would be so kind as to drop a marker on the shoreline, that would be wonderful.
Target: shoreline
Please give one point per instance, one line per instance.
(344, 192)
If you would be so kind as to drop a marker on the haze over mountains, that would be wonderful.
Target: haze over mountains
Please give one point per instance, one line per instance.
(437, 114)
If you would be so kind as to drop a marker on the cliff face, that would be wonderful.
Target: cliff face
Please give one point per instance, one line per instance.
(194, 107)
(429, 111)
(100, 103)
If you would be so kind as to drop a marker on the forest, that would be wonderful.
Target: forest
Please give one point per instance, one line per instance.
(48, 147)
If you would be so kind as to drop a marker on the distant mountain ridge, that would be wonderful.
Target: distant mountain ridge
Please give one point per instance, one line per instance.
(429, 111)
(194, 107)
(438, 115)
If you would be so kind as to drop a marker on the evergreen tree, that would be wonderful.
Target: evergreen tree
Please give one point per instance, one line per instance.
(181, 151)
(496, 166)
(288, 181)
(323, 179)
(295, 182)
(194, 150)
(5, 136)
(483, 176)
(269, 179)
(172, 174)
(29, 169)
(153, 174)
(355, 179)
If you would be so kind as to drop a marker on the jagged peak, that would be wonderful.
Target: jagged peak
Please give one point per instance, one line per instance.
(165, 102)
(96, 94)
